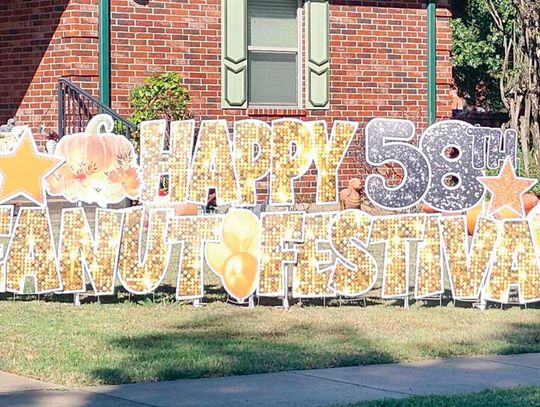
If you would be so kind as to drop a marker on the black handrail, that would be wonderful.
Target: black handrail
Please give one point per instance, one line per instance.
(76, 107)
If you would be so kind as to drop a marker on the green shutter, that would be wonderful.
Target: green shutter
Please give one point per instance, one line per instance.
(318, 54)
(234, 53)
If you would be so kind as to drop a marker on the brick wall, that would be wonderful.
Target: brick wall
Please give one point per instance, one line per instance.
(41, 41)
(378, 59)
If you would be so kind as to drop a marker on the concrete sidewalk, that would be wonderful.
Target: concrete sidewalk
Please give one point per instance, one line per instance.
(321, 387)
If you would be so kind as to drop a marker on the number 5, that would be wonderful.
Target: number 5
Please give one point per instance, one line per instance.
(386, 142)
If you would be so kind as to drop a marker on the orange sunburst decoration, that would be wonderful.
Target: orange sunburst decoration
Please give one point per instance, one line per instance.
(101, 167)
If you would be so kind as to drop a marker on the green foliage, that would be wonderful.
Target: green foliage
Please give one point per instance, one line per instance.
(533, 172)
(161, 96)
(478, 50)
(523, 396)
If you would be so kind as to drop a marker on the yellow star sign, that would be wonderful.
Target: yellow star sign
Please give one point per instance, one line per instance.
(507, 189)
(23, 171)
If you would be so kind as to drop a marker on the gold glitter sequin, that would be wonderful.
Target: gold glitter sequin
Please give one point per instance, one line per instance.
(355, 271)
(429, 269)
(32, 253)
(534, 221)
(397, 232)
(252, 150)
(6, 220)
(514, 263)
(330, 154)
(80, 252)
(193, 232)
(174, 162)
(287, 165)
(309, 277)
(467, 269)
(278, 229)
(143, 274)
(213, 165)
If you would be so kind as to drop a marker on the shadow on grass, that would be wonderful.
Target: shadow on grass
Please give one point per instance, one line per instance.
(210, 347)
(522, 338)
(212, 350)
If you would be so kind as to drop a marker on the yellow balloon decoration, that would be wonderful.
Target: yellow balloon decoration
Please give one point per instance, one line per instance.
(240, 273)
(236, 259)
(241, 230)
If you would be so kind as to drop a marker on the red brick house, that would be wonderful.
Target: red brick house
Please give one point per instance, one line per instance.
(311, 59)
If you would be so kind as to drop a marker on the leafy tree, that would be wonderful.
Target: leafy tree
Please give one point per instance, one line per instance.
(477, 55)
(499, 40)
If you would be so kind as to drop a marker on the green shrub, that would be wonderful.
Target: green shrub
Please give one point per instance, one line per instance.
(161, 96)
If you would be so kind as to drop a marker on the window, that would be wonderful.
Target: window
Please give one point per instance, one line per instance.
(261, 54)
(273, 52)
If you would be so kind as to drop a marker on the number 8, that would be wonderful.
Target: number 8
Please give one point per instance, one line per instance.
(436, 143)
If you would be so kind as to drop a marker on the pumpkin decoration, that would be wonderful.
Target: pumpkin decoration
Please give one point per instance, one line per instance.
(427, 209)
(529, 202)
(100, 167)
(162, 202)
(472, 216)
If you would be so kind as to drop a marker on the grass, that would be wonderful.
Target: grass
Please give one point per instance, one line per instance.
(520, 397)
(122, 340)
(130, 341)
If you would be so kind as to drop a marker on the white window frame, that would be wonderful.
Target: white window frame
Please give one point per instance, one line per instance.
(285, 50)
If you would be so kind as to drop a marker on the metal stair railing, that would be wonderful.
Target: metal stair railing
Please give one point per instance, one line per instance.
(76, 107)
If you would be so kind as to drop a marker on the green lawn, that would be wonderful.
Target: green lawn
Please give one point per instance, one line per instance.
(128, 341)
(521, 397)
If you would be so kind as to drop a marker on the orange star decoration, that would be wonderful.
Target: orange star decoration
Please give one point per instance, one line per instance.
(24, 170)
(507, 189)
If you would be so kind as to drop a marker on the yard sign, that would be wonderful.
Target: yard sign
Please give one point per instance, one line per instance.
(451, 171)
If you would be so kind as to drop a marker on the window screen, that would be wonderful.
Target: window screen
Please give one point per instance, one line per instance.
(273, 78)
(273, 23)
(273, 52)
